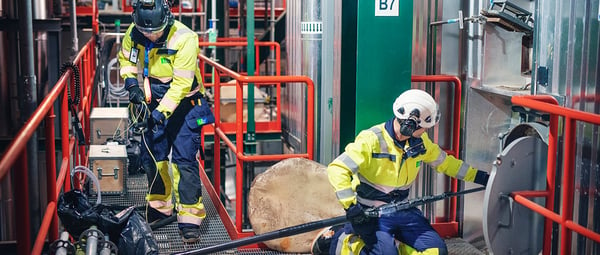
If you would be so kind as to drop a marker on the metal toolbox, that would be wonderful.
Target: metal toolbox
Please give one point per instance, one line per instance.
(108, 123)
(109, 164)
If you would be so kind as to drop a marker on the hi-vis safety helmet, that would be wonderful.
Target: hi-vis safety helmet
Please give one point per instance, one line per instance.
(151, 16)
(417, 105)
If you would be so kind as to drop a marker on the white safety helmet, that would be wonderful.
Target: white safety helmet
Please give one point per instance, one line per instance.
(418, 105)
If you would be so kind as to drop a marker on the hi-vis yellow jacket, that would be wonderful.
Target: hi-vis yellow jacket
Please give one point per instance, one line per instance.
(376, 160)
(172, 60)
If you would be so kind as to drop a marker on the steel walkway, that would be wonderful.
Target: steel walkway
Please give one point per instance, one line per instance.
(213, 231)
(167, 237)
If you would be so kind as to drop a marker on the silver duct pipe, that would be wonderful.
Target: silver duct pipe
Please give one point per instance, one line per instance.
(40, 12)
(304, 45)
(40, 9)
(311, 34)
(73, 19)
(28, 103)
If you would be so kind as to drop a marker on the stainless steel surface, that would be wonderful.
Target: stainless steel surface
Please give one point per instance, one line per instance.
(510, 228)
(487, 115)
(421, 19)
(502, 59)
(443, 44)
(304, 34)
(330, 70)
(311, 34)
(292, 95)
(566, 42)
(73, 26)
(40, 9)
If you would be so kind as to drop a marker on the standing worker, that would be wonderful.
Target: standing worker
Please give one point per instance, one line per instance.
(378, 168)
(167, 52)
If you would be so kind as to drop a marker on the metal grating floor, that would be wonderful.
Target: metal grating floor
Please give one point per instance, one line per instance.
(167, 237)
(169, 240)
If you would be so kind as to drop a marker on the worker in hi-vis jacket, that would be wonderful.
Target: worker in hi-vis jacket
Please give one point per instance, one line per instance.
(378, 168)
(165, 53)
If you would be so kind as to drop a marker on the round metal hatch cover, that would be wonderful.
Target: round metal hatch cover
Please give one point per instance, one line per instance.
(508, 227)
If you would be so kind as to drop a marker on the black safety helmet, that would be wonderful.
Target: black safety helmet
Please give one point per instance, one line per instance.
(151, 15)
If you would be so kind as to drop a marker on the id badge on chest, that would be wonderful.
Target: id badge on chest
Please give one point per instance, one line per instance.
(133, 55)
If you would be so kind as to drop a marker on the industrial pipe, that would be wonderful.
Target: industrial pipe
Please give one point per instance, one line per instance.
(28, 103)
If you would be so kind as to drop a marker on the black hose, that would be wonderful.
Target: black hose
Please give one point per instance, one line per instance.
(289, 231)
(77, 79)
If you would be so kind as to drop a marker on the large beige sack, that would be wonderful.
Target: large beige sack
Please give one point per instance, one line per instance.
(291, 192)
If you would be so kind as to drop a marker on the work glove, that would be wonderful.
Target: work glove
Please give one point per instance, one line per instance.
(136, 95)
(481, 178)
(363, 226)
(356, 214)
(158, 117)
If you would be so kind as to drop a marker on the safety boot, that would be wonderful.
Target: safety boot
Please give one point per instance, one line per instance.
(322, 243)
(154, 216)
(190, 233)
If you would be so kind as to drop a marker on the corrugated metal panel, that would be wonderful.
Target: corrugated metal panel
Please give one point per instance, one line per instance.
(569, 48)
(292, 95)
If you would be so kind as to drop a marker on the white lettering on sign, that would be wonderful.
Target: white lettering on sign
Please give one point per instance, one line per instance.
(386, 7)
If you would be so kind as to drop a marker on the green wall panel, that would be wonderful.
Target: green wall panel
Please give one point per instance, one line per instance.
(383, 58)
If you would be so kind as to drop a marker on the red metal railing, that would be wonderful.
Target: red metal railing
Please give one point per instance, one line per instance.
(258, 12)
(261, 126)
(82, 11)
(235, 229)
(565, 218)
(15, 156)
(449, 228)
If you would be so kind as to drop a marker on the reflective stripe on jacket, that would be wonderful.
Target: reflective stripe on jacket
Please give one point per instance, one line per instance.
(173, 61)
(375, 160)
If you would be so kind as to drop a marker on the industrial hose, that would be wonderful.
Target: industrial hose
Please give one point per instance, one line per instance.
(77, 79)
(91, 175)
(77, 128)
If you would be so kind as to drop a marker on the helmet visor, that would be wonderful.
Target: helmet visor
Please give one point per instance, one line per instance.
(151, 30)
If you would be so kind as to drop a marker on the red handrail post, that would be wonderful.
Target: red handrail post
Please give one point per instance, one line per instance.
(550, 105)
(217, 139)
(51, 170)
(64, 136)
(568, 180)
(239, 139)
(22, 203)
(235, 228)
(455, 127)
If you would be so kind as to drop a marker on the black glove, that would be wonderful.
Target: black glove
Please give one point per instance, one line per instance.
(356, 214)
(481, 178)
(363, 226)
(158, 117)
(136, 95)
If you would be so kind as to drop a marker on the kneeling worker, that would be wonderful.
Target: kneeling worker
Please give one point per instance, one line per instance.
(378, 168)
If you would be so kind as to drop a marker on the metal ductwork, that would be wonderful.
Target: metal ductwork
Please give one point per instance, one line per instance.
(304, 41)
